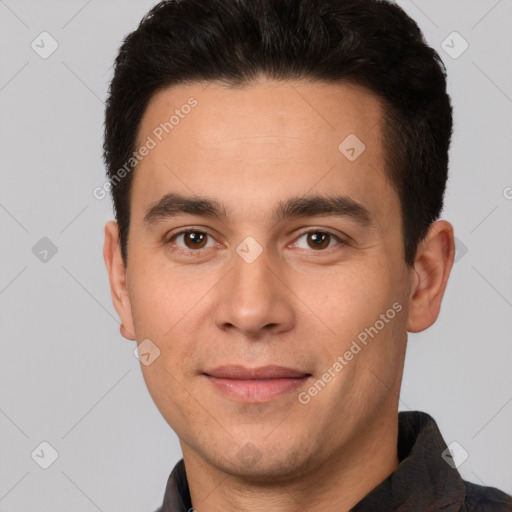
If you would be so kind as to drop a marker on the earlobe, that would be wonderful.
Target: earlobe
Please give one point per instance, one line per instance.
(125, 333)
(432, 266)
(117, 278)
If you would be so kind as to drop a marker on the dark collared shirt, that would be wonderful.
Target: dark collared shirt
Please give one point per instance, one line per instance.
(424, 481)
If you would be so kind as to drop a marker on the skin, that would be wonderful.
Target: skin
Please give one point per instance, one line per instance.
(295, 305)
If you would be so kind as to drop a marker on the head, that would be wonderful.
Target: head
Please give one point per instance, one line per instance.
(303, 147)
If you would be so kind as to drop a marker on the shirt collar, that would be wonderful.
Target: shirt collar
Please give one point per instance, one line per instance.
(422, 481)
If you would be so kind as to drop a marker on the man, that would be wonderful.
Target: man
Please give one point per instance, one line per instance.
(278, 170)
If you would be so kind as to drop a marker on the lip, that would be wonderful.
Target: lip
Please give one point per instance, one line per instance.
(239, 372)
(255, 385)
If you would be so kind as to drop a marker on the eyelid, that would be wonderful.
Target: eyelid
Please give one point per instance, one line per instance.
(187, 229)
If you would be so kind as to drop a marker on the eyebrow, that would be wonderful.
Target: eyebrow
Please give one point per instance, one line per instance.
(172, 204)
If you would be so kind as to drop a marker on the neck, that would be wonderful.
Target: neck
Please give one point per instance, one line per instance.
(335, 483)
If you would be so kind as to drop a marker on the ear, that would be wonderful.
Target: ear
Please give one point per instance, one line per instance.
(432, 266)
(117, 277)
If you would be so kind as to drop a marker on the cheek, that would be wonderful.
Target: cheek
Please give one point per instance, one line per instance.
(364, 309)
(160, 299)
(348, 298)
(169, 309)
(168, 391)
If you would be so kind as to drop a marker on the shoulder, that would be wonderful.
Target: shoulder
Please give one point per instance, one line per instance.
(486, 499)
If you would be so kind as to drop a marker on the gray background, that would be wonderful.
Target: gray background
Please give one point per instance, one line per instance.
(67, 377)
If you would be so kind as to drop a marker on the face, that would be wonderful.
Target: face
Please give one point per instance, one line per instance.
(277, 327)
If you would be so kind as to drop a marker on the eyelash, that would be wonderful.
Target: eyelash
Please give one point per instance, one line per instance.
(196, 252)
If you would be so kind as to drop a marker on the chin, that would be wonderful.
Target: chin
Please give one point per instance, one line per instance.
(271, 463)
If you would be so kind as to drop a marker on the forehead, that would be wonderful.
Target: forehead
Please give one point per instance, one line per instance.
(266, 108)
(253, 145)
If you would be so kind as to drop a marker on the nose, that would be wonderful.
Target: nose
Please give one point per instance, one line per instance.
(254, 300)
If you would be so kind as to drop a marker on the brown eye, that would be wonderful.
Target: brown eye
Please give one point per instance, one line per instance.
(190, 240)
(318, 240)
(194, 239)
